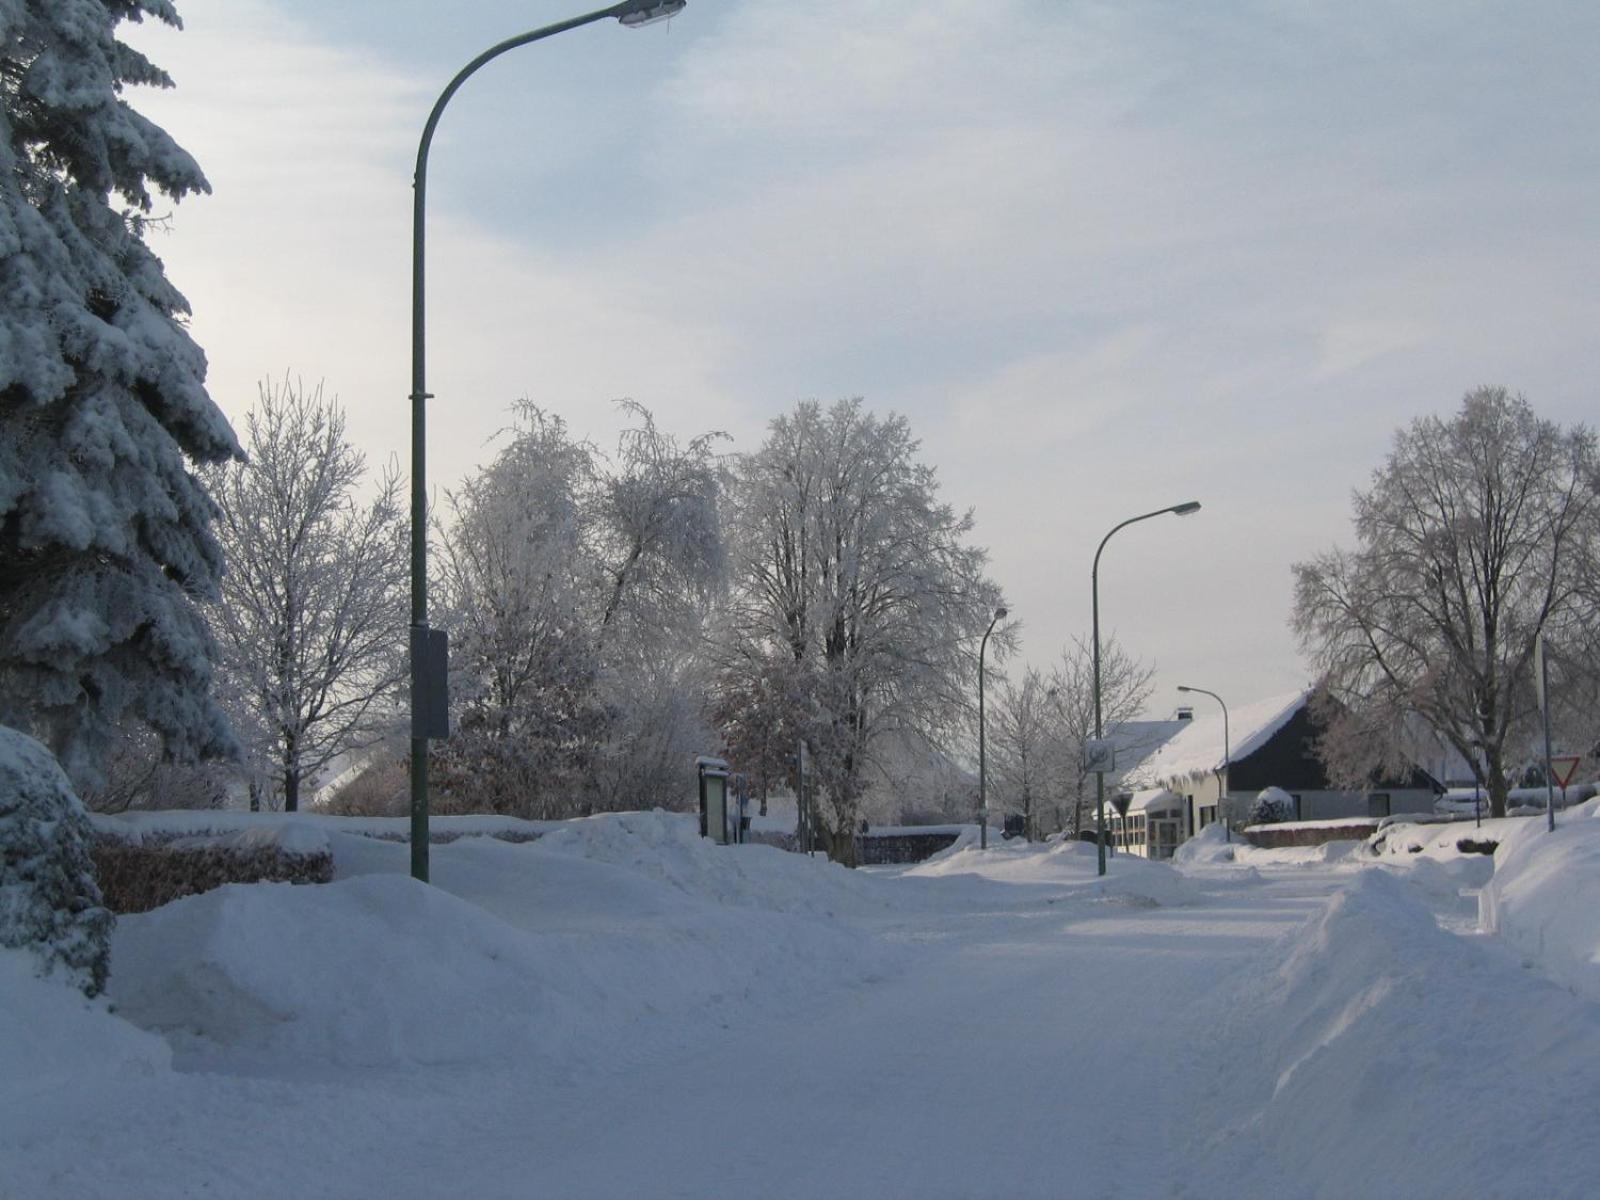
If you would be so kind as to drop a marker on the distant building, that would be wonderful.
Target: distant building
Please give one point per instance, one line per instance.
(1154, 825)
(1270, 743)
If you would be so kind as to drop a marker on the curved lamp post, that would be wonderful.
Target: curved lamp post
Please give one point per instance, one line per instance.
(1222, 810)
(1179, 510)
(983, 789)
(427, 661)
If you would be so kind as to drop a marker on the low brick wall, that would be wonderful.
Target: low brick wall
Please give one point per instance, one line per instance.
(1275, 837)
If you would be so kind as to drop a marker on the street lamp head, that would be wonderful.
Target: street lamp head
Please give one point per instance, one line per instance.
(1181, 688)
(1187, 507)
(1001, 613)
(636, 14)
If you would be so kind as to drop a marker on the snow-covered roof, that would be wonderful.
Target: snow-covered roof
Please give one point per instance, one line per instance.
(1136, 741)
(1198, 749)
(1154, 799)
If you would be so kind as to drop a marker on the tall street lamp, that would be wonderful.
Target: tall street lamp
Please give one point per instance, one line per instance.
(429, 712)
(1222, 772)
(1179, 510)
(983, 783)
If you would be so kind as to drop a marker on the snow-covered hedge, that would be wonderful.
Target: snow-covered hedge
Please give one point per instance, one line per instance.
(154, 869)
(49, 901)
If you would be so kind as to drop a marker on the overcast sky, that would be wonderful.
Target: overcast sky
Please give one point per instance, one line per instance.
(1105, 257)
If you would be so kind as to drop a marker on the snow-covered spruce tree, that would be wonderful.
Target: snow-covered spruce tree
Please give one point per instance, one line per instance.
(49, 901)
(104, 530)
(313, 615)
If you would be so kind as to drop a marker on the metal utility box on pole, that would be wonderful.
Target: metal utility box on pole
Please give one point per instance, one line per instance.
(713, 774)
(740, 811)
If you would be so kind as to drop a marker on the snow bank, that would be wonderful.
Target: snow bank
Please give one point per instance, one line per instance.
(57, 1048)
(1443, 876)
(1074, 865)
(1209, 847)
(1370, 1040)
(1544, 897)
(668, 847)
(365, 972)
(1440, 839)
(532, 952)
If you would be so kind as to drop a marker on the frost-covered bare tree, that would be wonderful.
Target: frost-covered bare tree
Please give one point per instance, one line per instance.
(753, 706)
(848, 567)
(658, 529)
(313, 614)
(1471, 541)
(516, 556)
(1125, 685)
(1028, 746)
(105, 539)
(576, 586)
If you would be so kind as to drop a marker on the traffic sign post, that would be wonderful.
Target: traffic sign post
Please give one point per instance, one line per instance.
(1563, 767)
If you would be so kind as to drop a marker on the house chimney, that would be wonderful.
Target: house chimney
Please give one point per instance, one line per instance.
(1185, 713)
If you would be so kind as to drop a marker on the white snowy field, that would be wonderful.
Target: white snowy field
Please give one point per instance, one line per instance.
(623, 1010)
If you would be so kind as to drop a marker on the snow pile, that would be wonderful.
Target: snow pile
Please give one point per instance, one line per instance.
(529, 952)
(1442, 839)
(1212, 848)
(668, 847)
(1544, 897)
(1368, 1040)
(364, 972)
(57, 1047)
(1442, 876)
(1130, 879)
(1209, 847)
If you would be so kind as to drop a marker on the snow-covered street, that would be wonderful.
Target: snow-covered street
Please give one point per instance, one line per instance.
(622, 1009)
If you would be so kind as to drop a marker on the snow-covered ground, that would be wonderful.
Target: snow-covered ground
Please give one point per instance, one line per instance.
(621, 1009)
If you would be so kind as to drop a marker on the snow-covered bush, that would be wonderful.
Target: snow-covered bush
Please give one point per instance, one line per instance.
(49, 901)
(1271, 806)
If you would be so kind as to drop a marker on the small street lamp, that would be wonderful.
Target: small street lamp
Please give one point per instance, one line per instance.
(429, 716)
(983, 790)
(1222, 771)
(1178, 510)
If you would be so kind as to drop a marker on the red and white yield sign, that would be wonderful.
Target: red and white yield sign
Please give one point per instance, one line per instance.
(1564, 767)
